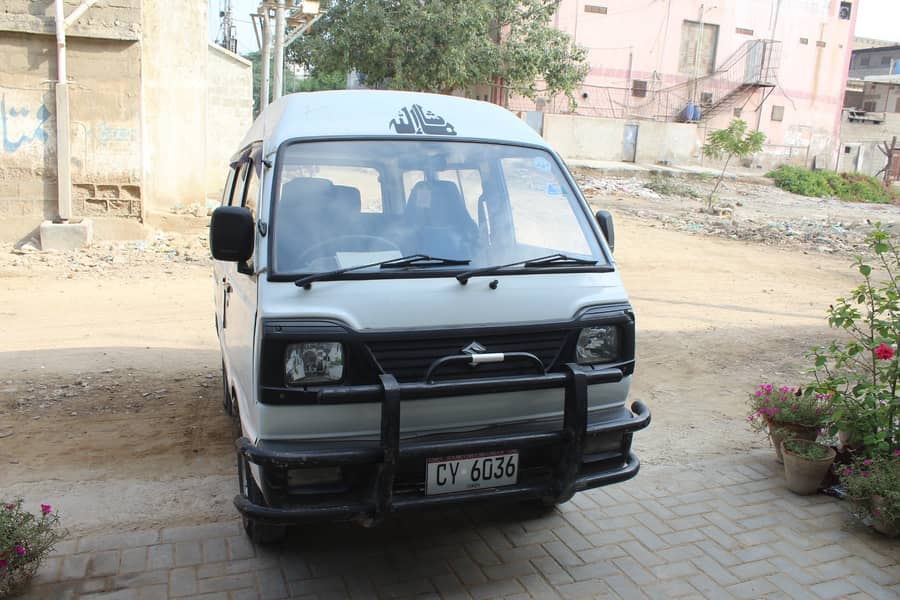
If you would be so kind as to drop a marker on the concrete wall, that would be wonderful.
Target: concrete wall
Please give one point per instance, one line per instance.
(174, 91)
(104, 102)
(229, 109)
(593, 138)
(859, 144)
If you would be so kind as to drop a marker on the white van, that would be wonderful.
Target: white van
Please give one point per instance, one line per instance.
(415, 308)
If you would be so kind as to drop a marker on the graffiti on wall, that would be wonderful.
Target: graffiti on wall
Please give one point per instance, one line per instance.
(21, 125)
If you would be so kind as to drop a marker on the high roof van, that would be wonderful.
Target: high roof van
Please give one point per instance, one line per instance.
(415, 308)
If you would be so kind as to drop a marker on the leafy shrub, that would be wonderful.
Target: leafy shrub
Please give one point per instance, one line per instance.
(25, 540)
(818, 184)
(806, 449)
(862, 374)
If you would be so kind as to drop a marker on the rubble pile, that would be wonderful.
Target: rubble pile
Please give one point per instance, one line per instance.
(753, 212)
(161, 249)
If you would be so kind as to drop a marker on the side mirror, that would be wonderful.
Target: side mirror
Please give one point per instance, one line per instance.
(605, 220)
(231, 234)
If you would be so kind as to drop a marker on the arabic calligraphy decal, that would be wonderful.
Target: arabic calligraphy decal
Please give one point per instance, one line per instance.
(418, 121)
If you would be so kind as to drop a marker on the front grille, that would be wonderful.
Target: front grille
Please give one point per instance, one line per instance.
(408, 358)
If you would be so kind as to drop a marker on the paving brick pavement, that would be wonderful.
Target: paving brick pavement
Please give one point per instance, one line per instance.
(718, 529)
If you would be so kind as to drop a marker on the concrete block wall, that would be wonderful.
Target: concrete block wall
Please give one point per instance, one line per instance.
(104, 132)
(229, 113)
(593, 138)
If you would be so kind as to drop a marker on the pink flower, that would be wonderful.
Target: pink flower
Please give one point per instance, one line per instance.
(758, 393)
(896, 452)
(10, 507)
(848, 471)
(46, 509)
(20, 550)
(867, 462)
(865, 474)
(795, 407)
(3, 564)
(884, 352)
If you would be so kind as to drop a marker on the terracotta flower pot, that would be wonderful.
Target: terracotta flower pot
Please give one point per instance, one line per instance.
(779, 431)
(804, 475)
(880, 523)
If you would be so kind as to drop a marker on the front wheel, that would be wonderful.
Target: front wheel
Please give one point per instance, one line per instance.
(259, 532)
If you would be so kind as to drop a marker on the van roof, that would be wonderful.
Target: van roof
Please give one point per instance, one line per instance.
(385, 113)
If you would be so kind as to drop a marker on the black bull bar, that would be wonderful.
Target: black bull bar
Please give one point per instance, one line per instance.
(380, 499)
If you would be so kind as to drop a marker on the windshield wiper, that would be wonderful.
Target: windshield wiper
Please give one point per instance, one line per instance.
(551, 260)
(413, 260)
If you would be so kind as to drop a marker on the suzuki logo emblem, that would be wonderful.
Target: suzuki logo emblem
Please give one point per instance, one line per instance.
(474, 348)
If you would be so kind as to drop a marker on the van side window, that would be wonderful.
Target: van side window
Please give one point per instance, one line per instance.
(228, 190)
(251, 189)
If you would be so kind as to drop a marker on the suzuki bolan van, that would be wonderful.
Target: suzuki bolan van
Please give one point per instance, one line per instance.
(416, 308)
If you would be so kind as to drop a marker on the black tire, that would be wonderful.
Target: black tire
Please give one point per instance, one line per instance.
(259, 532)
(227, 403)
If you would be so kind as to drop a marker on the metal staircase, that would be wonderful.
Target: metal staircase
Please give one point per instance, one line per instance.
(753, 65)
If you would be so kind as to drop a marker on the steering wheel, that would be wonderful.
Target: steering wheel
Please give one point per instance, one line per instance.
(316, 250)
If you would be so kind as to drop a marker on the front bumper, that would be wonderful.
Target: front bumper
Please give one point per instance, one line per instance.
(560, 466)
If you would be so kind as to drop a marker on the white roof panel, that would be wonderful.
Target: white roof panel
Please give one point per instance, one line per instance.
(385, 113)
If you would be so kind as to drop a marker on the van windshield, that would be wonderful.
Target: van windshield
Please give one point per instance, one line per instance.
(341, 204)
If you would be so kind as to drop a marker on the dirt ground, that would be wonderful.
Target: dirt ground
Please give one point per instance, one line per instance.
(110, 400)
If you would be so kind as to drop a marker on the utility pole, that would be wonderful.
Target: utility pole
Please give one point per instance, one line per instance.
(265, 56)
(227, 34)
(278, 87)
(291, 22)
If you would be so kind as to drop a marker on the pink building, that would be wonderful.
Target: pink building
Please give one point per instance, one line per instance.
(780, 65)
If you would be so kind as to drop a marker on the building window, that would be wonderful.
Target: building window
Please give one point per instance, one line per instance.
(804, 41)
(820, 44)
(737, 112)
(869, 106)
(697, 53)
(864, 61)
(885, 60)
(593, 8)
(742, 31)
(639, 88)
(846, 149)
(706, 99)
(845, 10)
(777, 113)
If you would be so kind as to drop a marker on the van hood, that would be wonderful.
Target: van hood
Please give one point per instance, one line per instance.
(438, 302)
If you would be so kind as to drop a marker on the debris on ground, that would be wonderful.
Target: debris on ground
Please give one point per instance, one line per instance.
(747, 211)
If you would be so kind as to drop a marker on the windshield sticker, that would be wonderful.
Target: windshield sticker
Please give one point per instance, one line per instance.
(416, 120)
(553, 189)
(541, 164)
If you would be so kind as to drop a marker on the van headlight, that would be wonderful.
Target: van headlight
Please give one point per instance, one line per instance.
(313, 362)
(598, 344)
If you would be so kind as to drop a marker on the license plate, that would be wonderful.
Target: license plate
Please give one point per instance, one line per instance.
(470, 472)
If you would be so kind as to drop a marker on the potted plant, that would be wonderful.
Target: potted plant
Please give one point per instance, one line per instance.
(805, 464)
(25, 540)
(788, 412)
(863, 373)
(873, 485)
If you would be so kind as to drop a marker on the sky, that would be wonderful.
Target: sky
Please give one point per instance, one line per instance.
(879, 19)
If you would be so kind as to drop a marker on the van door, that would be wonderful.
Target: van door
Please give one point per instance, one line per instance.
(219, 274)
(240, 293)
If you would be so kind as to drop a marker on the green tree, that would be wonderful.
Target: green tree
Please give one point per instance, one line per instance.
(445, 45)
(314, 83)
(732, 141)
